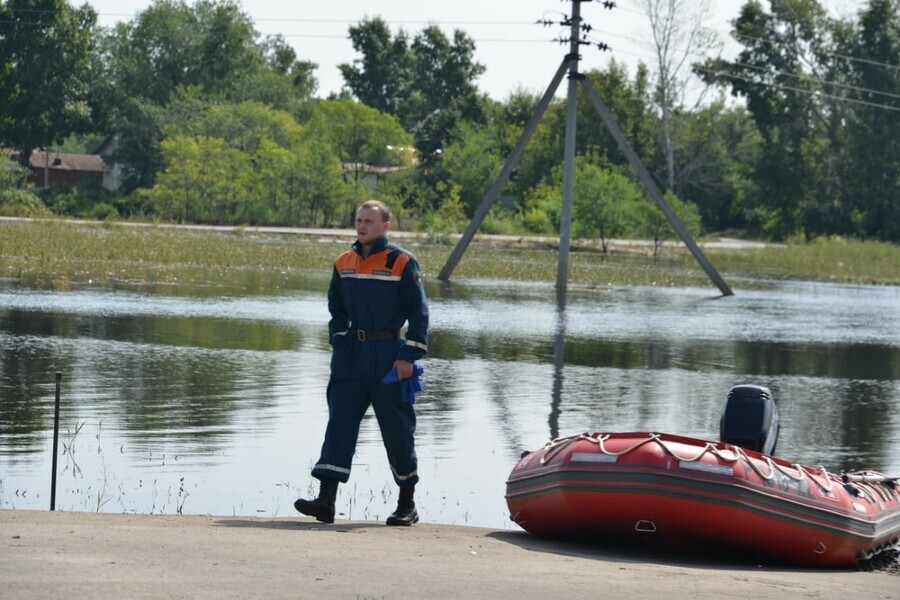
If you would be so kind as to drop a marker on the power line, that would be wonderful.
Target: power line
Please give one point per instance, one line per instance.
(782, 86)
(478, 40)
(494, 23)
(844, 56)
(776, 72)
(446, 23)
(816, 93)
(312, 21)
(431, 22)
(817, 80)
(763, 39)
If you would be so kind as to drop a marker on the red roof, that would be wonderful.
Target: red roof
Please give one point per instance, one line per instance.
(85, 163)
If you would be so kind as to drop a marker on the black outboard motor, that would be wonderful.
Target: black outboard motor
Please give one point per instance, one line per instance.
(750, 419)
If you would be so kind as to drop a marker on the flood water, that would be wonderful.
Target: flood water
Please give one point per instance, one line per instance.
(211, 400)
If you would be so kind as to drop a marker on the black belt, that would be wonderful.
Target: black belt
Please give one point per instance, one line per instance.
(376, 336)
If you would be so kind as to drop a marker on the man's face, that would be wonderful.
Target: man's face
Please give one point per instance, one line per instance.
(370, 226)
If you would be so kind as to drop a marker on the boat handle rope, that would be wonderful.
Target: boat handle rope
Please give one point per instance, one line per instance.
(826, 476)
(552, 447)
(818, 475)
(773, 466)
(655, 437)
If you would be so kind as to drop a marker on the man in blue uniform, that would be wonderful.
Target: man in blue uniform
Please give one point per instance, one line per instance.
(375, 288)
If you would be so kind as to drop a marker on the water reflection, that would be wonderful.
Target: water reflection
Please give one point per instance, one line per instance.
(216, 400)
(559, 360)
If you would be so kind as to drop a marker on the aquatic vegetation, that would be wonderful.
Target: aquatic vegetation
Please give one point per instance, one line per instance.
(59, 255)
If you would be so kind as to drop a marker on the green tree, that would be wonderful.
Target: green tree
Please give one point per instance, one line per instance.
(275, 167)
(282, 82)
(443, 90)
(786, 61)
(45, 59)
(873, 158)
(649, 222)
(208, 52)
(470, 163)
(156, 53)
(381, 78)
(204, 180)
(717, 153)
(17, 198)
(678, 35)
(227, 48)
(282, 58)
(171, 44)
(300, 186)
(601, 200)
(429, 84)
(628, 102)
(321, 188)
(360, 136)
(242, 125)
(409, 195)
(507, 119)
(139, 124)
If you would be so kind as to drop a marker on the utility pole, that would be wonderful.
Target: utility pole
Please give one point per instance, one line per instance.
(570, 64)
(565, 222)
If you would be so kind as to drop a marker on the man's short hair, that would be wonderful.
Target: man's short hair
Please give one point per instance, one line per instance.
(378, 205)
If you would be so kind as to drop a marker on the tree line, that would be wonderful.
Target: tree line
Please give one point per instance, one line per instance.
(218, 124)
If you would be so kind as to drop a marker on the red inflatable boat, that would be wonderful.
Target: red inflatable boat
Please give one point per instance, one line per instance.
(693, 494)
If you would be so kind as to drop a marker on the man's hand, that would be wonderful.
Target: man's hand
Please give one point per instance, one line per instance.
(404, 369)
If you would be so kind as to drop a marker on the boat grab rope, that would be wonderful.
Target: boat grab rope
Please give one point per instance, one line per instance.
(827, 477)
(554, 446)
(818, 475)
(865, 483)
(655, 437)
(800, 473)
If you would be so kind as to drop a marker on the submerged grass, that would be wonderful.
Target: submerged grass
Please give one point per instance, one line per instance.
(59, 254)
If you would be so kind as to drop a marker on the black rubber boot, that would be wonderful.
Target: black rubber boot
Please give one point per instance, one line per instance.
(406, 513)
(322, 508)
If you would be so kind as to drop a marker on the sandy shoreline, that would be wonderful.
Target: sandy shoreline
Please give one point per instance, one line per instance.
(97, 556)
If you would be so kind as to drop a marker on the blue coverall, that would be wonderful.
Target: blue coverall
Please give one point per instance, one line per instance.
(369, 300)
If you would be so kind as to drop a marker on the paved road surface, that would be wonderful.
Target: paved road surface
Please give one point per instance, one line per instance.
(97, 557)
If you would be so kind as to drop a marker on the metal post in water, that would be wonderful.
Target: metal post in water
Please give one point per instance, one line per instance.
(565, 221)
(55, 443)
(657, 196)
(512, 160)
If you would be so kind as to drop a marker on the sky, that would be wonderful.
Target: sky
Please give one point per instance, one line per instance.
(517, 53)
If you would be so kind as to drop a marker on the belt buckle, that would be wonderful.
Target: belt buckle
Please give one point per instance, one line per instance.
(361, 335)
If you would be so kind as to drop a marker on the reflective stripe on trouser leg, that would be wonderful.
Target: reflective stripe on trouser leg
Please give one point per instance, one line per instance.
(397, 421)
(347, 403)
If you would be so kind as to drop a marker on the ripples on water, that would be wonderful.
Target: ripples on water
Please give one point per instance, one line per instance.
(211, 404)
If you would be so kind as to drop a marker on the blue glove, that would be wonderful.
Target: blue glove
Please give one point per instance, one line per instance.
(408, 386)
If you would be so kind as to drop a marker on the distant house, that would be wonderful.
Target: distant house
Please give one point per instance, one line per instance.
(60, 169)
